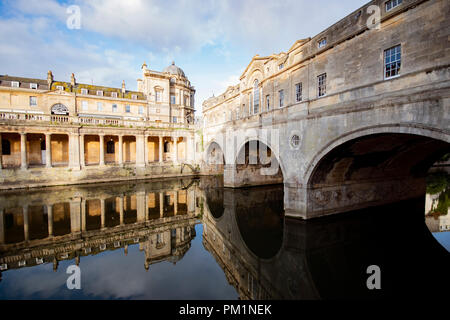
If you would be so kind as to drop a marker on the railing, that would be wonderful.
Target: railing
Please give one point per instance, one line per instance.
(93, 121)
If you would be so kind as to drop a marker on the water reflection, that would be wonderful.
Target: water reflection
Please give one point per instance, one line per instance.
(194, 239)
(266, 257)
(438, 202)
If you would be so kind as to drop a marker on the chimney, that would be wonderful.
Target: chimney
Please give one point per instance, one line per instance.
(73, 81)
(49, 79)
(123, 89)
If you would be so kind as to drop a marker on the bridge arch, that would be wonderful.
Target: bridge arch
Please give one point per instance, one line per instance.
(265, 141)
(418, 130)
(372, 166)
(255, 163)
(214, 158)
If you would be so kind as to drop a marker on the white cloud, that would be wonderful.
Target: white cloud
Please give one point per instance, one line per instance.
(159, 30)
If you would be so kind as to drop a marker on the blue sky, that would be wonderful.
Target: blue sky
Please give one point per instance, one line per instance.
(211, 40)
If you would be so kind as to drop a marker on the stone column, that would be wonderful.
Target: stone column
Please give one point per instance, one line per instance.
(175, 203)
(147, 217)
(2, 226)
(102, 149)
(1, 153)
(50, 219)
(23, 151)
(175, 149)
(83, 215)
(229, 176)
(140, 157)
(102, 211)
(82, 155)
(26, 226)
(146, 149)
(190, 149)
(74, 151)
(75, 215)
(140, 199)
(161, 148)
(48, 150)
(161, 205)
(121, 209)
(121, 150)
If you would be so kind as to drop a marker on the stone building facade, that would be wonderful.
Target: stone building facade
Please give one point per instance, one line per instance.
(55, 132)
(353, 117)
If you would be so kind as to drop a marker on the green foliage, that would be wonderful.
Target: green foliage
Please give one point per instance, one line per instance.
(445, 158)
(437, 182)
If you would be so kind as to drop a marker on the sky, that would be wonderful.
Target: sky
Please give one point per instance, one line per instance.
(213, 41)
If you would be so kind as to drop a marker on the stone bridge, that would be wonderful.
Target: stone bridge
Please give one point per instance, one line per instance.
(369, 140)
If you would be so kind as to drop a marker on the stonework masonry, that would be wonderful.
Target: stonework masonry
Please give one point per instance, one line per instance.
(55, 132)
(350, 118)
(354, 116)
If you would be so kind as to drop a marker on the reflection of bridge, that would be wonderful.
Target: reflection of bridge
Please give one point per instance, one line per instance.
(323, 258)
(344, 134)
(68, 223)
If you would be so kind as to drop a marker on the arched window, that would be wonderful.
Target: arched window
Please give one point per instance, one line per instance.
(60, 109)
(256, 97)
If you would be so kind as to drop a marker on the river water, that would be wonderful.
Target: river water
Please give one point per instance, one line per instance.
(194, 239)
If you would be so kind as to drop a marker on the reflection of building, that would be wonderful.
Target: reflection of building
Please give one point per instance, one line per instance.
(317, 259)
(436, 223)
(47, 126)
(69, 223)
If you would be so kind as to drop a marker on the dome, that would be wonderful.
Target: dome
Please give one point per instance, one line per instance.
(173, 69)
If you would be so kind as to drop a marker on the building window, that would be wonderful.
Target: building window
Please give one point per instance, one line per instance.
(84, 106)
(175, 119)
(141, 110)
(61, 88)
(84, 91)
(392, 4)
(158, 110)
(114, 108)
(134, 97)
(268, 102)
(159, 239)
(113, 94)
(158, 96)
(281, 93)
(99, 106)
(172, 99)
(6, 147)
(100, 93)
(14, 84)
(322, 84)
(280, 66)
(322, 42)
(298, 92)
(256, 97)
(33, 86)
(392, 61)
(295, 141)
(33, 101)
(110, 147)
(166, 147)
(127, 109)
